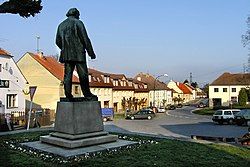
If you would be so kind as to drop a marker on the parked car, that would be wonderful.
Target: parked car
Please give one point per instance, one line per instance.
(201, 105)
(226, 115)
(141, 114)
(243, 117)
(171, 107)
(179, 105)
(161, 109)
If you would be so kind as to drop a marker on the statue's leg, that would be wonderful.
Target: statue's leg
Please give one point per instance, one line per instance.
(82, 71)
(68, 72)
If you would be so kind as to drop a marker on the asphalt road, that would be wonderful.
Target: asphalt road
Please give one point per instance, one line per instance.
(181, 123)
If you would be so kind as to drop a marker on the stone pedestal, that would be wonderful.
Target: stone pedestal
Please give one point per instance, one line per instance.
(78, 124)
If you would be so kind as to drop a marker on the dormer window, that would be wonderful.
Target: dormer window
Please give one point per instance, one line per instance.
(106, 79)
(90, 78)
(130, 83)
(115, 82)
(145, 86)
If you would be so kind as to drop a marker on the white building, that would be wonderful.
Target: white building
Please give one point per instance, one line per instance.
(225, 89)
(12, 84)
(160, 94)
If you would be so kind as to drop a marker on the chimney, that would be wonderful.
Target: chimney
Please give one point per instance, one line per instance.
(40, 54)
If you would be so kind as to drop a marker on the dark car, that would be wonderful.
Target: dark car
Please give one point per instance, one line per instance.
(179, 106)
(141, 114)
(201, 105)
(243, 117)
(171, 107)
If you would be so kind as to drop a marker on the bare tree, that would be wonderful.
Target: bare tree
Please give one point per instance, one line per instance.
(24, 8)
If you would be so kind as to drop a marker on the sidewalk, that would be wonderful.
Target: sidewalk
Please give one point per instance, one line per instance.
(24, 130)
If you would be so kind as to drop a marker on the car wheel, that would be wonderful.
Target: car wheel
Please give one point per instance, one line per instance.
(132, 118)
(239, 123)
(230, 121)
(149, 117)
(220, 122)
(248, 123)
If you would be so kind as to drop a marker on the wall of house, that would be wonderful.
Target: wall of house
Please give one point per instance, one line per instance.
(225, 96)
(104, 96)
(178, 91)
(141, 95)
(17, 83)
(48, 86)
(118, 96)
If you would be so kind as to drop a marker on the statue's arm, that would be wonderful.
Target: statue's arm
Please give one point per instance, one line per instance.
(58, 39)
(85, 39)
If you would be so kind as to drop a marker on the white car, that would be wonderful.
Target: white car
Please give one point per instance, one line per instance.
(226, 115)
(161, 109)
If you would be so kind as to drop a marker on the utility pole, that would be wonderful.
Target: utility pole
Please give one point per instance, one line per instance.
(37, 44)
(190, 78)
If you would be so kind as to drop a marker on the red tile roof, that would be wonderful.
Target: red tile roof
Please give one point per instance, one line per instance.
(97, 77)
(4, 52)
(152, 83)
(232, 79)
(53, 66)
(184, 88)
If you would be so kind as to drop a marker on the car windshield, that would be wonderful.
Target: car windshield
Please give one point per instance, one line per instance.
(235, 112)
(218, 112)
(242, 112)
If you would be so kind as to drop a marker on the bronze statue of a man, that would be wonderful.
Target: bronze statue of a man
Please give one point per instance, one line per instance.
(73, 41)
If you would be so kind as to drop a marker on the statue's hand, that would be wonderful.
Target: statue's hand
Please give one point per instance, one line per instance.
(93, 56)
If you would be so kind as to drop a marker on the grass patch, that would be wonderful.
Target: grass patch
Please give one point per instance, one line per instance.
(204, 111)
(161, 152)
(119, 116)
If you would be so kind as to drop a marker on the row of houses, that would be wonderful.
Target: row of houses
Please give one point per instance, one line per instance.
(113, 90)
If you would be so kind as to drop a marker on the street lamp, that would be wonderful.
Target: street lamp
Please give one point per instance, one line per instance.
(166, 75)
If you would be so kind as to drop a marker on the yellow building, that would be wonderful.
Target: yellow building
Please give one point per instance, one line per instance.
(47, 74)
(123, 91)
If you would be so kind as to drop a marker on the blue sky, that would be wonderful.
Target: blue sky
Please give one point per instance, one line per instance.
(155, 36)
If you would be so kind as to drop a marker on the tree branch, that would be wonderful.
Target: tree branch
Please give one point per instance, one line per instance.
(24, 8)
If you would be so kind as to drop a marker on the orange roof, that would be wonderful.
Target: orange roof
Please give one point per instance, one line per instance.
(4, 52)
(53, 66)
(184, 88)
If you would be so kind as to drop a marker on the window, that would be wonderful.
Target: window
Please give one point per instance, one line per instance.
(76, 89)
(106, 104)
(129, 83)
(89, 78)
(0, 67)
(234, 99)
(224, 89)
(216, 89)
(115, 82)
(106, 79)
(227, 113)
(233, 89)
(12, 101)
